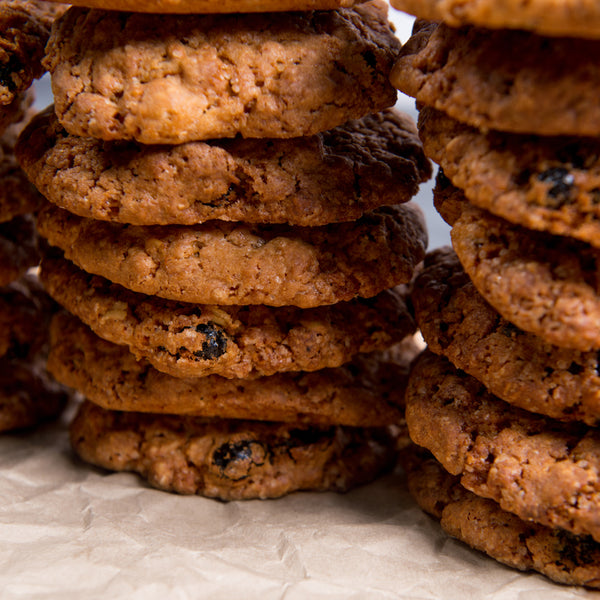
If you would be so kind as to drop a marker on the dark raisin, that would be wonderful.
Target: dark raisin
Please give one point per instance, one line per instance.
(235, 459)
(561, 183)
(575, 369)
(214, 345)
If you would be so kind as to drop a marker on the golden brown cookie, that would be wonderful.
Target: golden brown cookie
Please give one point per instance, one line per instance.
(504, 80)
(329, 177)
(367, 392)
(24, 30)
(213, 6)
(229, 459)
(516, 366)
(544, 284)
(573, 18)
(539, 182)
(231, 263)
(482, 524)
(537, 468)
(171, 79)
(192, 340)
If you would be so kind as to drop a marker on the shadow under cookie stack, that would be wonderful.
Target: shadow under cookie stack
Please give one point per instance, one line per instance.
(507, 395)
(27, 395)
(229, 231)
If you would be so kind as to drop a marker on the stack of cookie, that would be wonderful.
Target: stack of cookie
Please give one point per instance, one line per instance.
(27, 395)
(507, 396)
(228, 216)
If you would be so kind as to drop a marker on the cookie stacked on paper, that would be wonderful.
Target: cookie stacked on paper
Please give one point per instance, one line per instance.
(27, 395)
(507, 395)
(230, 235)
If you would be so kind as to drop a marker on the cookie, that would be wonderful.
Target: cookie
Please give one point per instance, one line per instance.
(543, 183)
(16, 110)
(236, 263)
(172, 79)
(18, 248)
(24, 30)
(17, 195)
(483, 525)
(191, 340)
(210, 6)
(28, 396)
(25, 311)
(229, 459)
(546, 285)
(535, 467)
(329, 177)
(367, 392)
(504, 80)
(514, 365)
(572, 18)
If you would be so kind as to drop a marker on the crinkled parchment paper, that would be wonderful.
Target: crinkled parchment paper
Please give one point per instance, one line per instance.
(71, 531)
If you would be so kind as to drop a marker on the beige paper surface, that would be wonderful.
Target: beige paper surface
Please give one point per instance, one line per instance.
(71, 531)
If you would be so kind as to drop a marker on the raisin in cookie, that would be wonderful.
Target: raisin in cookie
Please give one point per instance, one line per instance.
(230, 459)
(367, 392)
(544, 183)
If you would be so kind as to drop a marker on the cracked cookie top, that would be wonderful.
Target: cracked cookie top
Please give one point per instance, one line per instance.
(236, 263)
(505, 80)
(535, 467)
(329, 177)
(571, 18)
(172, 79)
